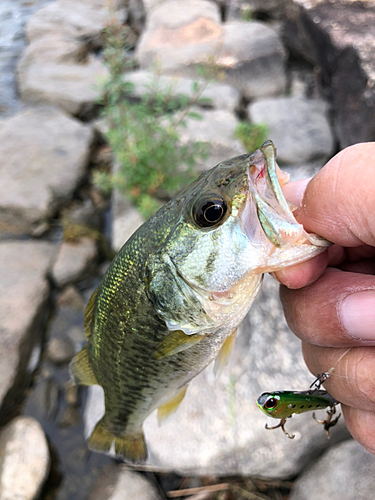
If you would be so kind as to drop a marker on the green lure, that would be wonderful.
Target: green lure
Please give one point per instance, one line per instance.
(283, 404)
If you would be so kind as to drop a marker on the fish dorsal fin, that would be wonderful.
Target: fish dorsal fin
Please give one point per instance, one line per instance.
(174, 342)
(81, 370)
(89, 314)
(168, 408)
(222, 359)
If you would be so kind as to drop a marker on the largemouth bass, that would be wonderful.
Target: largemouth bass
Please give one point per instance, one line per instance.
(175, 293)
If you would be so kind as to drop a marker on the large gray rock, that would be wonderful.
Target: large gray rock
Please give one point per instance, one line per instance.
(118, 483)
(220, 96)
(75, 19)
(248, 54)
(73, 261)
(252, 58)
(299, 127)
(24, 291)
(215, 128)
(57, 67)
(43, 157)
(218, 428)
(24, 459)
(346, 471)
(340, 38)
(75, 88)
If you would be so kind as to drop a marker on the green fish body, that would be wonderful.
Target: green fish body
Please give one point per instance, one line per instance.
(175, 293)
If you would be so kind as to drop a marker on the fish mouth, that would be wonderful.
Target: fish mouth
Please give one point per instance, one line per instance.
(267, 207)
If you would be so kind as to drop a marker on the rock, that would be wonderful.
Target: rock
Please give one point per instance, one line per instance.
(340, 38)
(252, 58)
(57, 67)
(30, 143)
(72, 87)
(299, 127)
(24, 459)
(24, 291)
(74, 260)
(218, 428)
(60, 350)
(176, 36)
(70, 297)
(345, 471)
(125, 220)
(221, 96)
(120, 484)
(215, 128)
(80, 20)
(249, 55)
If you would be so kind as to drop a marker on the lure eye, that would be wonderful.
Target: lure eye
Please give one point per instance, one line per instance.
(210, 213)
(270, 403)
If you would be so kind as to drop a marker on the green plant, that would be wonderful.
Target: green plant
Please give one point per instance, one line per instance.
(144, 134)
(251, 135)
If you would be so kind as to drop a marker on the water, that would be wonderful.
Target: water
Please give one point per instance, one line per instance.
(14, 15)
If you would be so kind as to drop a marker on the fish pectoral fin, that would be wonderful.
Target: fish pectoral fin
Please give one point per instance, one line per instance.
(168, 408)
(222, 359)
(81, 370)
(131, 447)
(174, 342)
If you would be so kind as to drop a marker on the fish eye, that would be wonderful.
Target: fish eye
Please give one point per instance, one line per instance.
(210, 212)
(270, 403)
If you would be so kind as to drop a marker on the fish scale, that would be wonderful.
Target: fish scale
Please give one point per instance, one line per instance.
(171, 300)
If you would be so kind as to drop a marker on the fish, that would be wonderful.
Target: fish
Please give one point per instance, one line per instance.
(174, 295)
(284, 404)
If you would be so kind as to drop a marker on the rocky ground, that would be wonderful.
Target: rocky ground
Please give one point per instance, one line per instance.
(306, 68)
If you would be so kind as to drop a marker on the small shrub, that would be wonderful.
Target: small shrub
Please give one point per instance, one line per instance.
(152, 165)
(251, 135)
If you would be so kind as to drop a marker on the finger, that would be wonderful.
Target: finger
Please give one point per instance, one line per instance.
(361, 425)
(353, 379)
(337, 310)
(304, 273)
(339, 201)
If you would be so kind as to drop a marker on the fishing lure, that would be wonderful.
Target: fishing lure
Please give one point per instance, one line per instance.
(283, 404)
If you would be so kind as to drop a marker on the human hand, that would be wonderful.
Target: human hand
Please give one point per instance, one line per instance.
(329, 301)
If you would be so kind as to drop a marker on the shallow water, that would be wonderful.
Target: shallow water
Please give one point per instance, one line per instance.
(14, 15)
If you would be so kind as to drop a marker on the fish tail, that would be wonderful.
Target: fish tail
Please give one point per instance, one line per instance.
(131, 447)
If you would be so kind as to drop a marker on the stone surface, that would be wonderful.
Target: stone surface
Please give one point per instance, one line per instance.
(82, 20)
(72, 87)
(24, 291)
(340, 38)
(60, 351)
(216, 128)
(74, 260)
(299, 127)
(43, 156)
(125, 220)
(24, 459)
(221, 96)
(218, 428)
(117, 483)
(346, 471)
(248, 54)
(252, 58)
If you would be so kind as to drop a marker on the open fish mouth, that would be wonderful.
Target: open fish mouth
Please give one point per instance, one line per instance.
(268, 207)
